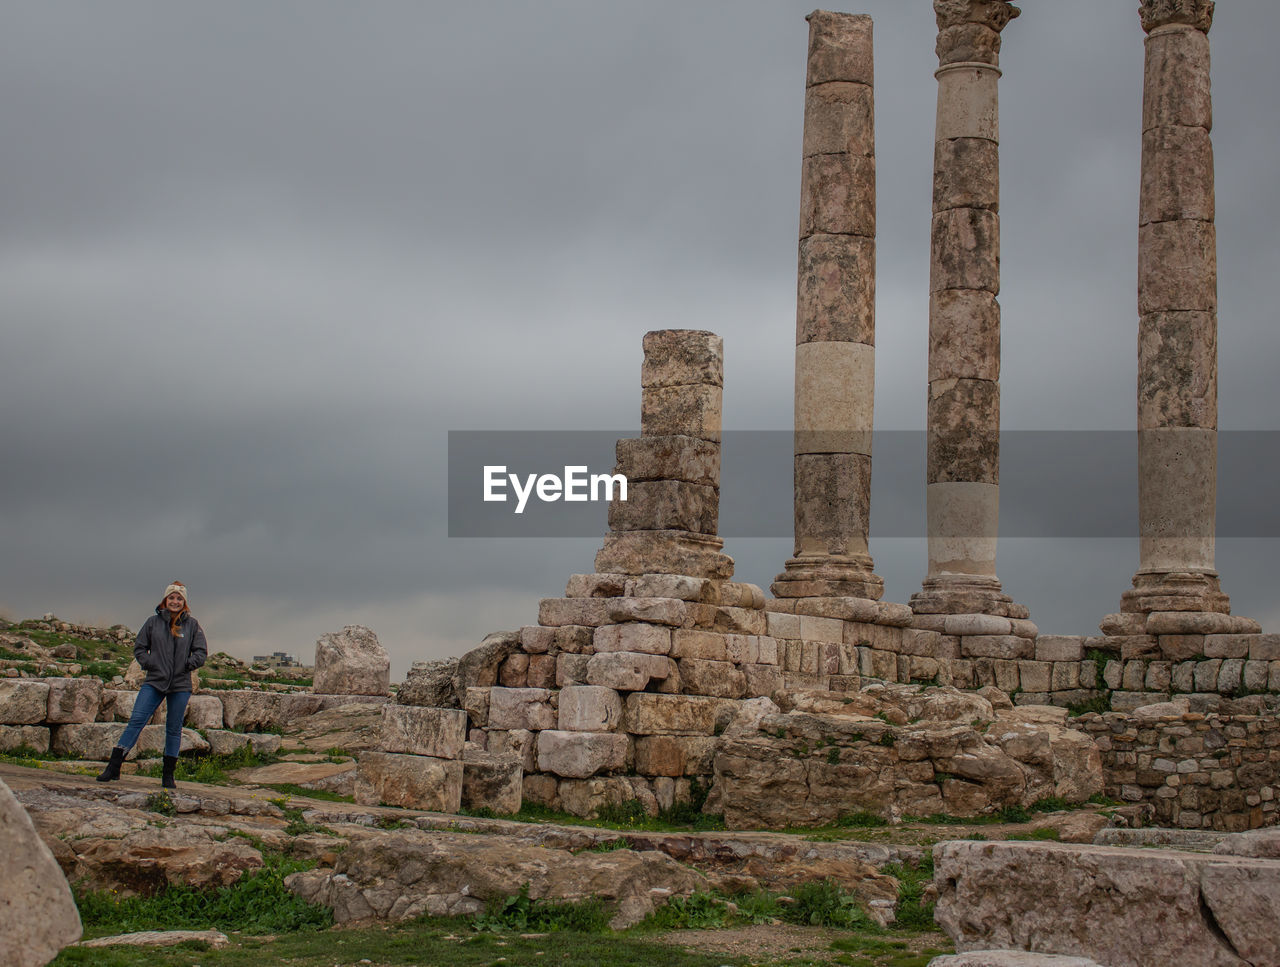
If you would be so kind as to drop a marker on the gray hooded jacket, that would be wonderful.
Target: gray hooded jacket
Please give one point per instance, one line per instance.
(169, 661)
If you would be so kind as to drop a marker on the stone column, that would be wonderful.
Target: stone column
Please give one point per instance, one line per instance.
(1178, 319)
(963, 493)
(835, 318)
(668, 523)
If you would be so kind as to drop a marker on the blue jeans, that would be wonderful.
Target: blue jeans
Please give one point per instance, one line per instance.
(144, 706)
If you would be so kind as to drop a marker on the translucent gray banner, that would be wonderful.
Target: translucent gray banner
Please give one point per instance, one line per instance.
(1052, 483)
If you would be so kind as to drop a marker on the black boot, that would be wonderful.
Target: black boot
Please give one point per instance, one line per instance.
(166, 780)
(112, 771)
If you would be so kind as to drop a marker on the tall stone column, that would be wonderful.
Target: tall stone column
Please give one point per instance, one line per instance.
(1178, 319)
(963, 493)
(835, 318)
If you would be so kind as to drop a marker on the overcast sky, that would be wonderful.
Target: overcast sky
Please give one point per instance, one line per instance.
(257, 259)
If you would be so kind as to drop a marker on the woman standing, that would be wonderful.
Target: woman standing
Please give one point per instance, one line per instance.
(169, 648)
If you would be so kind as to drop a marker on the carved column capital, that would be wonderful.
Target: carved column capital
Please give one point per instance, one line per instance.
(989, 13)
(969, 30)
(1162, 13)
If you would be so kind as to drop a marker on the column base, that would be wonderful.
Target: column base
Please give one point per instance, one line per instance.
(967, 594)
(1175, 591)
(828, 576)
(664, 552)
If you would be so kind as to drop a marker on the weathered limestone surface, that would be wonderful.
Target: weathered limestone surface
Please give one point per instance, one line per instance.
(416, 730)
(577, 755)
(38, 916)
(73, 700)
(31, 736)
(222, 742)
(895, 750)
(1011, 958)
(253, 711)
(1177, 305)
(204, 712)
(95, 740)
(406, 874)
(1123, 908)
(835, 318)
(492, 780)
(23, 701)
(351, 662)
(963, 456)
(412, 781)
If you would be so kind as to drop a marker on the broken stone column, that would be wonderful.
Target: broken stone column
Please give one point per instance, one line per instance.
(963, 492)
(835, 318)
(1178, 321)
(668, 523)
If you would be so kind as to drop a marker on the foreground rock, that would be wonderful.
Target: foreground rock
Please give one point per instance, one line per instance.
(38, 915)
(160, 938)
(1010, 958)
(1123, 908)
(351, 662)
(406, 874)
(146, 861)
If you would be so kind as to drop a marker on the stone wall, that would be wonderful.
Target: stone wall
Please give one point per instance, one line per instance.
(1197, 771)
(78, 716)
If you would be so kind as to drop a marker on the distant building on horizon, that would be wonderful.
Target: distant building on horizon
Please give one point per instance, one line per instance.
(277, 659)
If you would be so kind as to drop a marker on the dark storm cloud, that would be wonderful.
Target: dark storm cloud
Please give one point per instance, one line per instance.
(257, 259)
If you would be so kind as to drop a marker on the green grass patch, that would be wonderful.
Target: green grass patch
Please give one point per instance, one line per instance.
(520, 914)
(625, 816)
(913, 912)
(257, 903)
(1037, 834)
(419, 943)
(161, 802)
(212, 769)
(293, 789)
(699, 911)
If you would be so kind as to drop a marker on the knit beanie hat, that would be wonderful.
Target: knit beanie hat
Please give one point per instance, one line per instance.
(180, 589)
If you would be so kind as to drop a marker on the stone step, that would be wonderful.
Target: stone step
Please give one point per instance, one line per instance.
(1121, 907)
(1194, 840)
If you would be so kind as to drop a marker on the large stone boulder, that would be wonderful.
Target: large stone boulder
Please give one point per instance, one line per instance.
(38, 915)
(222, 742)
(355, 726)
(409, 781)
(417, 730)
(23, 701)
(1010, 958)
(73, 700)
(147, 861)
(253, 711)
(444, 683)
(492, 780)
(406, 874)
(95, 740)
(34, 737)
(433, 684)
(351, 662)
(1121, 907)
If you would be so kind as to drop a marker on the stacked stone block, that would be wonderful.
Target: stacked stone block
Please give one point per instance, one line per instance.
(1197, 771)
(420, 765)
(78, 716)
(835, 318)
(668, 522)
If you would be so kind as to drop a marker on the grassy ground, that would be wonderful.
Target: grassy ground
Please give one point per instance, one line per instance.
(452, 943)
